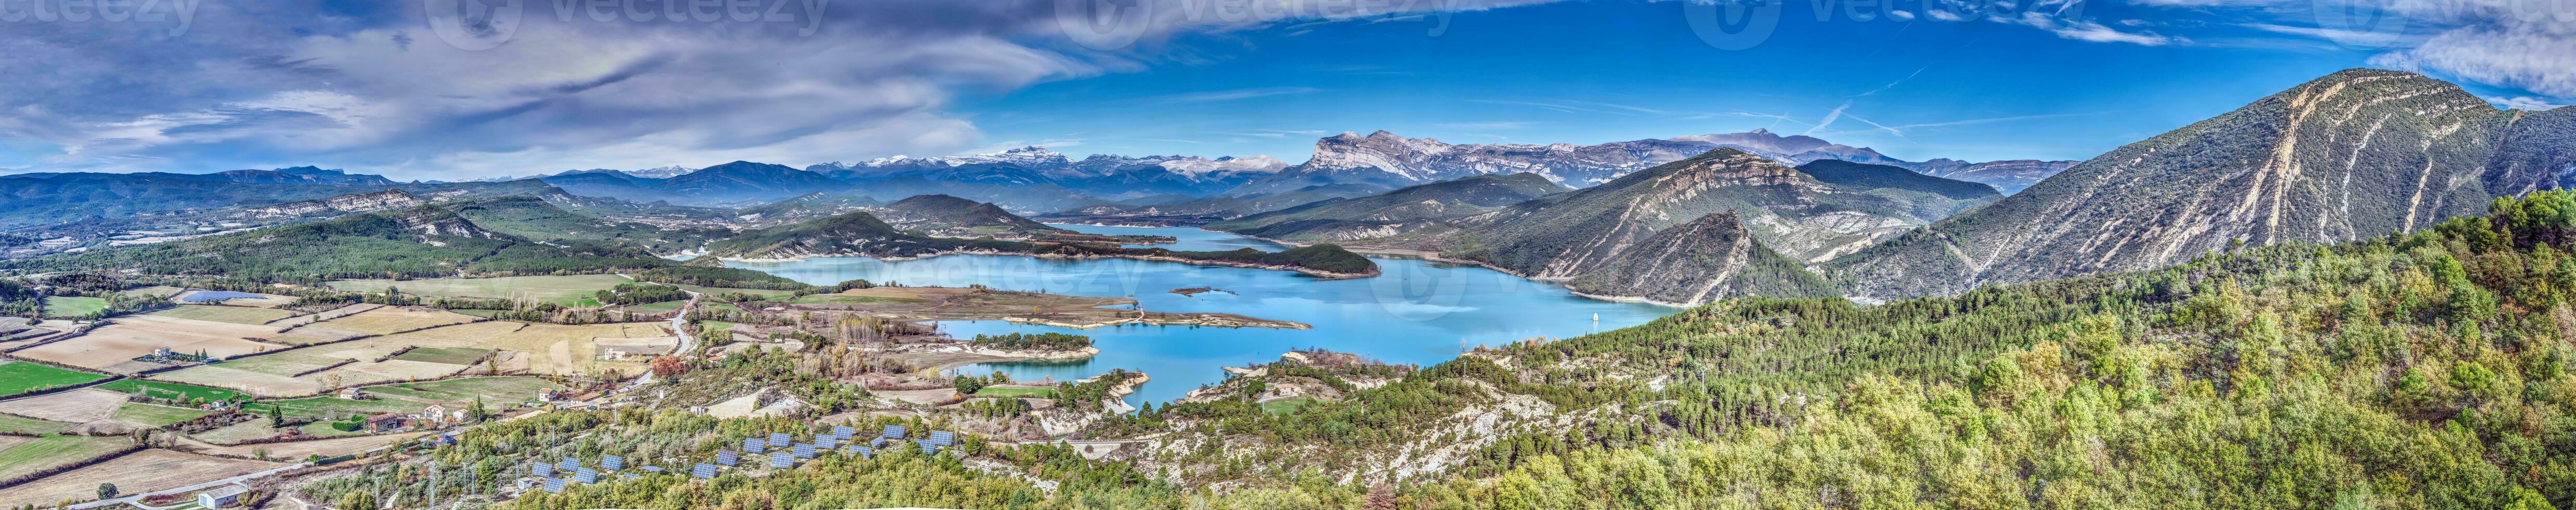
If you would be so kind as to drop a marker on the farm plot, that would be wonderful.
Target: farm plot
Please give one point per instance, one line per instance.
(42, 453)
(136, 473)
(24, 425)
(70, 306)
(391, 319)
(17, 377)
(235, 298)
(237, 433)
(316, 369)
(322, 447)
(156, 290)
(156, 415)
(570, 290)
(231, 314)
(542, 348)
(113, 347)
(169, 391)
(448, 355)
(77, 406)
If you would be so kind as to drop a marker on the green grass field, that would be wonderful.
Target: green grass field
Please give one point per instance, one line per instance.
(412, 397)
(335, 406)
(46, 452)
(232, 314)
(570, 290)
(664, 306)
(323, 429)
(448, 355)
(156, 290)
(65, 306)
(717, 290)
(22, 377)
(157, 416)
(24, 425)
(1017, 392)
(714, 325)
(845, 299)
(172, 391)
(1286, 405)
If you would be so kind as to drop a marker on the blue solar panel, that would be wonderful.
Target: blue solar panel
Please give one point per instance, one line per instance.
(879, 442)
(926, 447)
(555, 485)
(631, 476)
(585, 475)
(754, 445)
(612, 462)
(782, 460)
(728, 457)
(892, 432)
(779, 439)
(704, 470)
(865, 452)
(654, 469)
(568, 463)
(844, 431)
(943, 438)
(827, 442)
(542, 469)
(804, 451)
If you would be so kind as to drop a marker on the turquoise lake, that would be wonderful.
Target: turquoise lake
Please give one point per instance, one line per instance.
(1418, 312)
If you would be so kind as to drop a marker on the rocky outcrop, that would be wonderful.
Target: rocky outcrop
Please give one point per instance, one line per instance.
(2359, 153)
(344, 204)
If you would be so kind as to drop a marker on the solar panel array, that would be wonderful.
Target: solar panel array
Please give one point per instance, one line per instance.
(612, 462)
(803, 451)
(827, 442)
(555, 485)
(943, 438)
(728, 457)
(655, 469)
(926, 447)
(542, 469)
(892, 432)
(568, 463)
(780, 439)
(844, 431)
(754, 445)
(782, 460)
(703, 471)
(864, 452)
(585, 475)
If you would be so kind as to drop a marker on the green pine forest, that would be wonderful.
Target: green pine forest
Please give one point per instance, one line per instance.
(2418, 370)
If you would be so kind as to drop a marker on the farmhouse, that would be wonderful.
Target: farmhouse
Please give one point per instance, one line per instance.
(352, 393)
(387, 422)
(221, 497)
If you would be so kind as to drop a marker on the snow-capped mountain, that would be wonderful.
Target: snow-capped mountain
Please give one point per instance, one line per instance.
(1393, 160)
(1109, 176)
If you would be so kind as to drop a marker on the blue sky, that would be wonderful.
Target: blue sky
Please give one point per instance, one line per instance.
(416, 91)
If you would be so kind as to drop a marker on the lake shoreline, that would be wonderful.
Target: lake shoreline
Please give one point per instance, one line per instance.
(1435, 257)
(1318, 273)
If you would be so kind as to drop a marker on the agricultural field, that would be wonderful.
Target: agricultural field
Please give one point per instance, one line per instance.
(156, 415)
(171, 391)
(662, 307)
(231, 314)
(17, 377)
(455, 394)
(114, 346)
(447, 355)
(297, 450)
(76, 406)
(391, 319)
(235, 298)
(276, 375)
(855, 299)
(156, 290)
(23, 425)
(136, 473)
(237, 433)
(70, 306)
(711, 291)
(569, 290)
(31, 455)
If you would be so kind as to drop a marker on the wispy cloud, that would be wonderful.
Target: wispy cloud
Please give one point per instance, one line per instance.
(1491, 124)
(1890, 85)
(1830, 117)
(1230, 95)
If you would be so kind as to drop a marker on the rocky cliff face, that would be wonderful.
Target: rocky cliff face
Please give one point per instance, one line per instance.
(343, 204)
(2354, 154)
(1694, 263)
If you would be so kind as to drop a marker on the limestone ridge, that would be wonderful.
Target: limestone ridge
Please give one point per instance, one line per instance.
(1694, 263)
(2358, 153)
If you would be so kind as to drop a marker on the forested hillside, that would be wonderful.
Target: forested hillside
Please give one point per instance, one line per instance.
(421, 242)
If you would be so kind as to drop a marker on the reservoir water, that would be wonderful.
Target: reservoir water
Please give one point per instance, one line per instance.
(1418, 312)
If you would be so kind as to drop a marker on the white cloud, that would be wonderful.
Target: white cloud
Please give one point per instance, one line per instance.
(2525, 103)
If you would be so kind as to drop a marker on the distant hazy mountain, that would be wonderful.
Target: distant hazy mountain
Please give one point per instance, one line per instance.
(2354, 154)
(1108, 176)
(423, 241)
(1391, 213)
(2007, 176)
(290, 175)
(1201, 211)
(744, 180)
